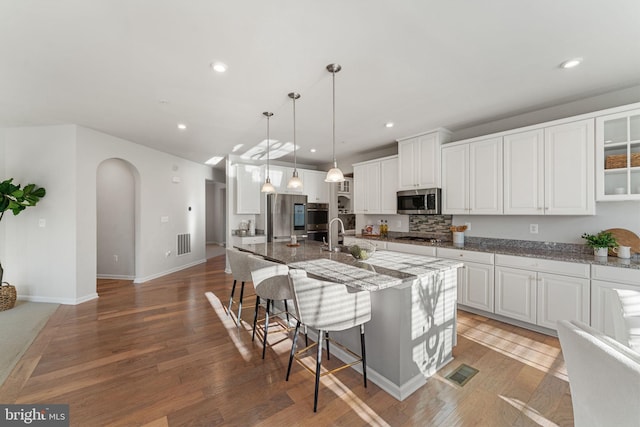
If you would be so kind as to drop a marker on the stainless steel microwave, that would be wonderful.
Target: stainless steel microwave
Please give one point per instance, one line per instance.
(424, 201)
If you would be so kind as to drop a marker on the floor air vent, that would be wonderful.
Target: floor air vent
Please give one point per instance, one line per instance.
(462, 374)
(184, 244)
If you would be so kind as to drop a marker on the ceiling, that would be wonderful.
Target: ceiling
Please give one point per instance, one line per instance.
(135, 69)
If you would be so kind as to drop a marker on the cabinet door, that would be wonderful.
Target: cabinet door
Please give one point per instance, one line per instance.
(485, 177)
(388, 186)
(427, 163)
(524, 173)
(516, 294)
(314, 187)
(562, 298)
(248, 196)
(372, 188)
(476, 286)
(359, 189)
(569, 169)
(455, 179)
(407, 155)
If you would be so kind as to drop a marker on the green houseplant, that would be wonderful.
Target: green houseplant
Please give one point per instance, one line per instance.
(600, 242)
(15, 198)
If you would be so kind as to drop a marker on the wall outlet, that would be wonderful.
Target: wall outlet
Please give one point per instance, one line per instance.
(164, 219)
(42, 222)
(468, 224)
(167, 254)
(533, 228)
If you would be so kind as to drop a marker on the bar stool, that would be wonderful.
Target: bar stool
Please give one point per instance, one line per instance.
(327, 307)
(239, 263)
(271, 282)
(625, 309)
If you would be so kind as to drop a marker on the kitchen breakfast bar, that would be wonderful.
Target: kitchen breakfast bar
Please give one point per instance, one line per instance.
(412, 329)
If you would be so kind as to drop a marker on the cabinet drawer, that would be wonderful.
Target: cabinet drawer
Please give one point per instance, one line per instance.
(412, 249)
(473, 256)
(546, 265)
(616, 274)
(250, 240)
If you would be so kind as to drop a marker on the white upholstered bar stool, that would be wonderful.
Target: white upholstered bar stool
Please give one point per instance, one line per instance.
(625, 308)
(239, 263)
(327, 307)
(271, 282)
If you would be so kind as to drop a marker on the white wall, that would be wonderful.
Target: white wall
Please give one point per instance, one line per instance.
(41, 261)
(58, 262)
(116, 220)
(555, 228)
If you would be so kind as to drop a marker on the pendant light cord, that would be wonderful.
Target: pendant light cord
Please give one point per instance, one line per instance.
(295, 161)
(335, 163)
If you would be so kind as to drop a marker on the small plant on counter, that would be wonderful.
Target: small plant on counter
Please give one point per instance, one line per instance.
(603, 239)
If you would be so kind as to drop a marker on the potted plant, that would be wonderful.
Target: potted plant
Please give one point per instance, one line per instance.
(600, 242)
(15, 199)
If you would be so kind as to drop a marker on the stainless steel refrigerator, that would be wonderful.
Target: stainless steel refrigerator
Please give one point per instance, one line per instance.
(286, 216)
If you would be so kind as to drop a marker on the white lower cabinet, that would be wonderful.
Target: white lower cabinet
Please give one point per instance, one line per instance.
(475, 278)
(536, 294)
(604, 280)
(412, 249)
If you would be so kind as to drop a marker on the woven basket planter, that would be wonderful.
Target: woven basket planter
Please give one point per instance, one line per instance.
(7, 296)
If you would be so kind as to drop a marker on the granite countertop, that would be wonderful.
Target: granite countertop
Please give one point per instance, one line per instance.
(383, 270)
(567, 252)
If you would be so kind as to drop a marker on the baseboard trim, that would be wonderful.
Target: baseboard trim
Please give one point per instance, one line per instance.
(164, 273)
(115, 277)
(56, 300)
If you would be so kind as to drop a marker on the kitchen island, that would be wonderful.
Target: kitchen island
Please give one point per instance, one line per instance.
(412, 329)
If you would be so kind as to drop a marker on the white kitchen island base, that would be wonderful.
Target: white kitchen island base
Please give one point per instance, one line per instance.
(411, 333)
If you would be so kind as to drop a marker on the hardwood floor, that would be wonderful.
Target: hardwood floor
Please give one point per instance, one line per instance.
(163, 354)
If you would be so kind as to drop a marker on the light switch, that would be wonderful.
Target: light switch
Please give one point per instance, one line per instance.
(164, 219)
(42, 222)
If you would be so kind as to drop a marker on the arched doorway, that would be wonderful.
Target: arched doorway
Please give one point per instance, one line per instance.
(117, 184)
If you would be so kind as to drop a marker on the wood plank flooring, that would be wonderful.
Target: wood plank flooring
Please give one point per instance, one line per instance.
(160, 354)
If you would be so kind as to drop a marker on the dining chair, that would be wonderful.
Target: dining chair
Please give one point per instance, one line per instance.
(327, 307)
(271, 282)
(625, 309)
(239, 263)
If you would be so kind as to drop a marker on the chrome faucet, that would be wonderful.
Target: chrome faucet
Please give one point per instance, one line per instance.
(329, 234)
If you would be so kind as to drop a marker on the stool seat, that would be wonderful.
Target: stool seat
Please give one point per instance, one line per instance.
(239, 263)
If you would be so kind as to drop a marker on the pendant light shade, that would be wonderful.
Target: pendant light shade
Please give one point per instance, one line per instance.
(295, 183)
(267, 187)
(334, 174)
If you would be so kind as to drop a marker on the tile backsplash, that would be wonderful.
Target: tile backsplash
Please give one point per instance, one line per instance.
(430, 223)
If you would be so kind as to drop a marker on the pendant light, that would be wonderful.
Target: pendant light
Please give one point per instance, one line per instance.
(334, 174)
(267, 187)
(295, 183)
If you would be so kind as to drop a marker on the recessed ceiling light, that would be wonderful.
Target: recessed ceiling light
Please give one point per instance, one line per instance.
(182, 126)
(389, 124)
(219, 67)
(313, 150)
(571, 63)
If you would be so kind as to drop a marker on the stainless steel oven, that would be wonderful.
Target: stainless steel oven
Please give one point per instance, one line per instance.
(425, 201)
(317, 221)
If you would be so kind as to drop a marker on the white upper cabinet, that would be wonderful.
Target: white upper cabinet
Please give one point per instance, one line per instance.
(472, 178)
(569, 169)
(524, 173)
(314, 187)
(419, 160)
(618, 156)
(249, 182)
(375, 186)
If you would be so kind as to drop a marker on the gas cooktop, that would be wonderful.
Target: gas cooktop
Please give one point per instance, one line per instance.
(421, 239)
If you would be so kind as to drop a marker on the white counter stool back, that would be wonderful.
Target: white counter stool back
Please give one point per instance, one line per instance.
(327, 307)
(271, 282)
(626, 317)
(239, 263)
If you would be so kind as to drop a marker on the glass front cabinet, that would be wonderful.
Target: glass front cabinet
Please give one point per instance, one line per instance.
(618, 156)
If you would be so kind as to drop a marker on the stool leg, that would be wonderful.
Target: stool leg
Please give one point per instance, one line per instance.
(306, 337)
(240, 304)
(266, 328)
(318, 361)
(326, 337)
(286, 310)
(233, 289)
(293, 349)
(255, 318)
(364, 355)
